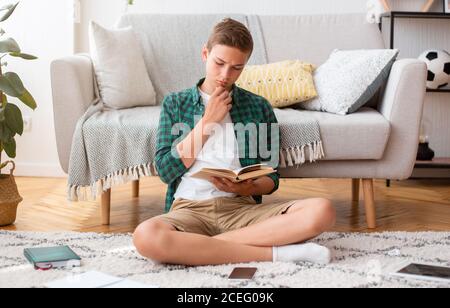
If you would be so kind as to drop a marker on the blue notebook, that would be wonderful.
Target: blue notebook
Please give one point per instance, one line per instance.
(52, 257)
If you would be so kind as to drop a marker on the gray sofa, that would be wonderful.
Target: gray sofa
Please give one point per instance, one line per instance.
(378, 142)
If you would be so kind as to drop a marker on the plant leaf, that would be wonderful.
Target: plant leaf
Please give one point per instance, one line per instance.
(2, 165)
(5, 133)
(14, 119)
(9, 45)
(28, 100)
(3, 103)
(11, 84)
(2, 125)
(9, 8)
(4, 100)
(2, 132)
(10, 148)
(22, 55)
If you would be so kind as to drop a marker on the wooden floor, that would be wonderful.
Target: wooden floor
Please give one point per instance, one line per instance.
(414, 205)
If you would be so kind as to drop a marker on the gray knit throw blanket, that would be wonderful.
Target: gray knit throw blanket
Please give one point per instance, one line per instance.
(114, 147)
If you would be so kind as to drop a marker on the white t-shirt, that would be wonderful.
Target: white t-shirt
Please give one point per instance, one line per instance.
(219, 151)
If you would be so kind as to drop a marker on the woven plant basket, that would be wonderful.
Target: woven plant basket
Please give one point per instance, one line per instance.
(9, 198)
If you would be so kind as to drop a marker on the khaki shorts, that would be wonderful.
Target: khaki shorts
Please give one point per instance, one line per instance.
(219, 215)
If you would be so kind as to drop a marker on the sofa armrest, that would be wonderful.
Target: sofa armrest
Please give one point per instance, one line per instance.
(402, 104)
(72, 80)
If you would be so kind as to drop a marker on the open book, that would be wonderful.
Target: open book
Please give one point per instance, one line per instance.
(236, 176)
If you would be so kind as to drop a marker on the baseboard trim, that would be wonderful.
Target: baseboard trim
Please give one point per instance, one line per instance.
(39, 170)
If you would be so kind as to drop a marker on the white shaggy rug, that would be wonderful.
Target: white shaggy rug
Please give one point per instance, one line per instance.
(360, 260)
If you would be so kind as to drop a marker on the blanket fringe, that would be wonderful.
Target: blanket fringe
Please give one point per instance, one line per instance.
(289, 157)
(90, 193)
(296, 156)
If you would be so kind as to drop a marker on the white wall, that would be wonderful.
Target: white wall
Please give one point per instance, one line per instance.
(43, 28)
(107, 12)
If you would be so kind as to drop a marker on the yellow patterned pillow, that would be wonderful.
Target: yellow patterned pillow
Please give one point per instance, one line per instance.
(282, 84)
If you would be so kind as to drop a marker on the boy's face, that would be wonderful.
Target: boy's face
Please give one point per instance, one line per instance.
(224, 65)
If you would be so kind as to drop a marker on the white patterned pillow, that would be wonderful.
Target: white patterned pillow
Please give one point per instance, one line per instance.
(349, 79)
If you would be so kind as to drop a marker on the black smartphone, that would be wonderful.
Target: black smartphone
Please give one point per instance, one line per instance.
(426, 270)
(243, 273)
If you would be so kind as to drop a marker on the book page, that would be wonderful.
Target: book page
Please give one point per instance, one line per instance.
(129, 284)
(86, 280)
(249, 172)
(236, 172)
(251, 168)
(255, 174)
(221, 171)
(95, 280)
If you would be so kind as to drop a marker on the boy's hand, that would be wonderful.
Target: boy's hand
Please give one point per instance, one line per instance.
(243, 189)
(218, 106)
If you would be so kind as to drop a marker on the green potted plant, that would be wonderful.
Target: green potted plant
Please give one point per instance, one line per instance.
(11, 121)
(127, 4)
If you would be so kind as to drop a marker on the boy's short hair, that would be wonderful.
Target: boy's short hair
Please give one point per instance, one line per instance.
(231, 33)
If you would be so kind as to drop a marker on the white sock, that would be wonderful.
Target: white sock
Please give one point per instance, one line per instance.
(302, 252)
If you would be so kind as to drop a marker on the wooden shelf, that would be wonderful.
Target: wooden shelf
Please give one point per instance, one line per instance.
(443, 90)
(437, 163)
(414, 15)
(431, 15)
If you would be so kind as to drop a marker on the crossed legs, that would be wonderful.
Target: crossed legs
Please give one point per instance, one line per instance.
(157, 240)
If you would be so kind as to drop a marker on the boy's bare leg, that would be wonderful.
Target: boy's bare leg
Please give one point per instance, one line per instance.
(305, 220)
(159, 241)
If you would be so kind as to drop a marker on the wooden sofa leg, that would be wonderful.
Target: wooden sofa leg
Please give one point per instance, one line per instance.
(355, 190)
(369, 202)
(106, 207)
(135, 186)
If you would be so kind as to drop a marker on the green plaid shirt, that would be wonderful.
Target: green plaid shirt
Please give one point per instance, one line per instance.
(186, 106)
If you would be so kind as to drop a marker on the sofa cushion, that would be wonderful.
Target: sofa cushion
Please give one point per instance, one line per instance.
(349, 79)
(360, 135)
(282, 83)
(122, 77)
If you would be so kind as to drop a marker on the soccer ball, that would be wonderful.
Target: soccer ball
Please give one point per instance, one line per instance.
(438, 63)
